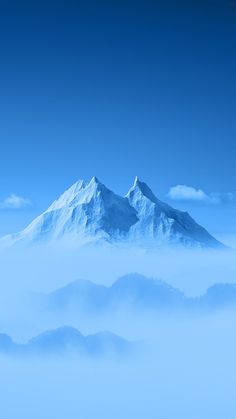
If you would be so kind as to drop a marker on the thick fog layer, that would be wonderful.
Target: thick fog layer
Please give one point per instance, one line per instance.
(187, 373)
(182, 365)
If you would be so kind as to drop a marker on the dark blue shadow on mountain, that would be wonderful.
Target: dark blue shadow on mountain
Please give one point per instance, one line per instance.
(92, 213)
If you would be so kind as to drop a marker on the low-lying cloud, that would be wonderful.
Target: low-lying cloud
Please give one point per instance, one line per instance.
(180, 354)
(189, 193)
(15, 202)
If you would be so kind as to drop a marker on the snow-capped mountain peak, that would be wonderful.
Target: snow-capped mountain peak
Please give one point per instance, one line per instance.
(95, 181)
(91, 212)
(141, 189)
(159, 223)
(68, 196)
(85, 212)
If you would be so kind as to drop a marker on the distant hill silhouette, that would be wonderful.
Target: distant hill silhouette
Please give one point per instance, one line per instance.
(137, 293)
(67, 340)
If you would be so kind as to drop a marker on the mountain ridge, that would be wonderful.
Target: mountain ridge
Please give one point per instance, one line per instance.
(137, 293)
(67, 340)
(90, 212)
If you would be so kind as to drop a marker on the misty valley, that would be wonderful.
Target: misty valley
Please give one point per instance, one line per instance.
(166, 330)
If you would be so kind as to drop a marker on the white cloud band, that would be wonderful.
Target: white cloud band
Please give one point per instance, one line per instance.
(189, 193)
(14, 201)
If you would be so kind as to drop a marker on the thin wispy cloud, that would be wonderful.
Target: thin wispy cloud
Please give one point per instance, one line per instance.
(189, 193)
(15, 202)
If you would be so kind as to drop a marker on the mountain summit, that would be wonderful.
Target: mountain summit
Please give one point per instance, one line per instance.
(84, 211)
(90, 212)
(161, 224)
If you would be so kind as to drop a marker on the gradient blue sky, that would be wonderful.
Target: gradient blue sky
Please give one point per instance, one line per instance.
(118, 88)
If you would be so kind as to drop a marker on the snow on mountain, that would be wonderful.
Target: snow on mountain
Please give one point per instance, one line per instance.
(85, 212)
(93, 213)
(70, 195)
(159, 223)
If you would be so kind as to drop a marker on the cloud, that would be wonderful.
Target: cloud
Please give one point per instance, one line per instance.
(15, 202)
(189, 193)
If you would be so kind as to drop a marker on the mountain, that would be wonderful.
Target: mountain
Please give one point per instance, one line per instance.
(85, 212)
(81, 295)
(159, 223)
(219, 296)
(92, 213)
(67, 340)
(134, 292)
(138, 294)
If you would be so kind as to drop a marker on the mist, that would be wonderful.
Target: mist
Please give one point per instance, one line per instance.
(45, 267)
(184, 365)
(187, 371)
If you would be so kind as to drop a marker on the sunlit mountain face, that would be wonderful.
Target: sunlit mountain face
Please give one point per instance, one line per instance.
(90, 212)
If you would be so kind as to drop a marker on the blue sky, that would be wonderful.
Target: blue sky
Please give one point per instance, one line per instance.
(118, 89)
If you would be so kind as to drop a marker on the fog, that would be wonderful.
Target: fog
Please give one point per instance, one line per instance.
(184, 367)
(46, 267)
(188, 373)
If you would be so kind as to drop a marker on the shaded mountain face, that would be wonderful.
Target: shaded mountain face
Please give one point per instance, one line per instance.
(67, 340)
(93, 213)
(138, 294)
